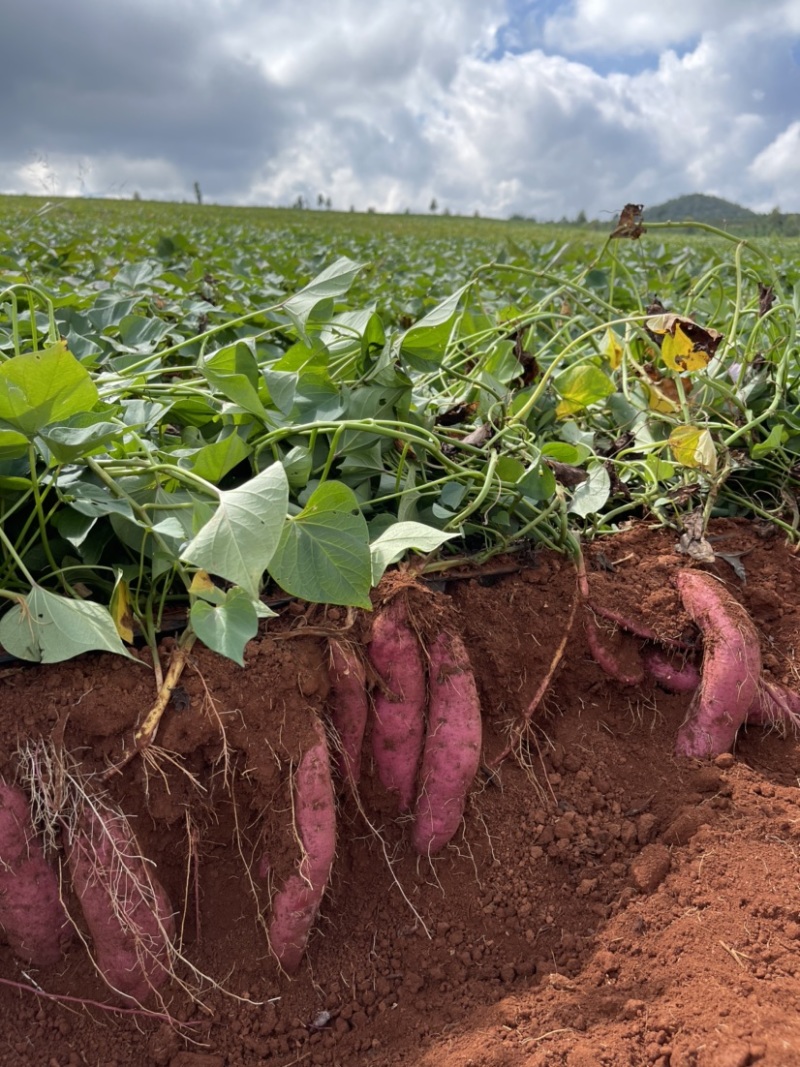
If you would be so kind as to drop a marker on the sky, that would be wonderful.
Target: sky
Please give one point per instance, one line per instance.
(543, 108)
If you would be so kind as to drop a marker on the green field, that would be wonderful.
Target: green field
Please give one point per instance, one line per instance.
(201, 403)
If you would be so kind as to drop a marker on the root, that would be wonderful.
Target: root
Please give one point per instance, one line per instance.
(192, 884)
(66, 801)
(384, 847)
(210, 706)
(113, 1009)
(524, 722)
(247, 866)
(603, 656)
(390, 866)
(777, 707)
(146, 732)
(600, 653)
(153, 759)
(638, 629)
(525, 760)
(304, 630)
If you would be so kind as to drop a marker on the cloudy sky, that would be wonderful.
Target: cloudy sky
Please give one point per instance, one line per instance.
(542, 108)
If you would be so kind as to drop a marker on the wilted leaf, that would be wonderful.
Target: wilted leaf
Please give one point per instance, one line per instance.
(479, 436)
(613, 349)
(693, 446)
(629, 223)
(766, 298)
(662, 393)
(682, 494)
(203, 587)
(455, 415)
(120, 608)
(693, 541)
(685, 346)
(566, 474)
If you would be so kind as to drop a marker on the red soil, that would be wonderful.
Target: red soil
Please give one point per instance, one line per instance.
(606, 903)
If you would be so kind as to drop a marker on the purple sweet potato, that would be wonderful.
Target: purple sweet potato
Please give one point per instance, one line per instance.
(31, 913)
(615, 653)
(731, 667)
(350, 708)
(125, 906)
(295, 906)
(621, 662)
(452, 746)
(677, 677)
(399, 723)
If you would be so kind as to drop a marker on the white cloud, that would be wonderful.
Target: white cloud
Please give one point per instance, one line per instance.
(780, 161)
(99, 176)
(336, 46)
(620, 26)
(542, 135)
(379, 104)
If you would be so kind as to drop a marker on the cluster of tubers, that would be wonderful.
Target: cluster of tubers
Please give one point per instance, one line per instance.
(422, 717)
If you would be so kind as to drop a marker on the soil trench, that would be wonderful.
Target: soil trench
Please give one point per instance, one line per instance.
(605, 903)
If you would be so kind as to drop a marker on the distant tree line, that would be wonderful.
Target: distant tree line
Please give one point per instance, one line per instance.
(724, 214)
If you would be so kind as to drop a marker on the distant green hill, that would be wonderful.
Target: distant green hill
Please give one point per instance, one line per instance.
(700, 208)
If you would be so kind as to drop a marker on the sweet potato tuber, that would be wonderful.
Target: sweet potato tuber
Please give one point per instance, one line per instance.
(296, 904)
(125, 906)
(31, 912)
(615, 653)
(350, 707)
(399, 723)
(731, 667)
(621, 662)
(452, 746)
(680, 677)
(774, 704)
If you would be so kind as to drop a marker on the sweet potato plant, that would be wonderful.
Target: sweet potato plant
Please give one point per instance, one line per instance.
(171, 438)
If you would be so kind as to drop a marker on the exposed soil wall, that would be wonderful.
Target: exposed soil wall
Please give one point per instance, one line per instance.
(606, 902)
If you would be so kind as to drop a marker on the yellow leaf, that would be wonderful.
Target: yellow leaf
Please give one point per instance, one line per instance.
(659, 401)
(565, 408)
(121, 613)
(613, 349)
(685, 345)
(679, 353)
(693, 446)
(202, 586)
(201, 583)
(580, 386)
(706, 453)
